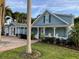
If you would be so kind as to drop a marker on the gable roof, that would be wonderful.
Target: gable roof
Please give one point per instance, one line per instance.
(53, 15)
(39, 17)
(60, 19)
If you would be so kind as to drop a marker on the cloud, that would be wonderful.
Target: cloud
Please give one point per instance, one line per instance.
(63, 9)
(39, 5)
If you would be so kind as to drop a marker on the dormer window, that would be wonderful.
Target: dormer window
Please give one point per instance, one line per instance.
(47, 18)
(44, 19)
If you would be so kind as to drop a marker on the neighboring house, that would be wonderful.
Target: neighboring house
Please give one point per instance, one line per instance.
(49, 24)
(8, 20)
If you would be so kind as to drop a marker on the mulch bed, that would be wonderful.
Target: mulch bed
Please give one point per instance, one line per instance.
(35, 55)
(70, 47)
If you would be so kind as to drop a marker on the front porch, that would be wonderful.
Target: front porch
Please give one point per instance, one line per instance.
(58, 32)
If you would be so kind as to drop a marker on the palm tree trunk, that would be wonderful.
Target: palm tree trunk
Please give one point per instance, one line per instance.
(0, 20)
(3, 16)
(29, 49)
(1, 5)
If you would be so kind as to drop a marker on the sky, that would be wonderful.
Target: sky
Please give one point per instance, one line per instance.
(38, 6)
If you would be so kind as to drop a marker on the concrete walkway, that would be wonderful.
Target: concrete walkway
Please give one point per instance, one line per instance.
(8, 43)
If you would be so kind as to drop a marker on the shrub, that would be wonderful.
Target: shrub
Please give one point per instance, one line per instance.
(49, 40)
(57, 41)
(22, 36)
(63, 41)
(74, 37)
(42, 37)
(70, 42)
(52, 39)
(32, 36)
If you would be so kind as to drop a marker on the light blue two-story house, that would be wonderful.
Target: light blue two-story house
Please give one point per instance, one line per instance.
(49, 24)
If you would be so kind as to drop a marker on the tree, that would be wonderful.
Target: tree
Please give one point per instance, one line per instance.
(1, 15)
(16, 16)
(8, 11)
(76, 20)
(23, 18)
(1, 2)
(29, 49)
(33, 19)
(75, 35)
(20, 17)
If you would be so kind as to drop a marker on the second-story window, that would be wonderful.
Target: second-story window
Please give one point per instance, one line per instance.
(44, 19)
(49, 18)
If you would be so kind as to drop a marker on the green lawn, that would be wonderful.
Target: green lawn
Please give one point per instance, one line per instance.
(48, 52)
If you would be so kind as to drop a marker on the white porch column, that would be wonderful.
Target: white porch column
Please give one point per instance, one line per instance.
(54, 31)
(38, 32)
(24, 30)
(0, 17)
(44, 30)
(67, 30)
(18, 31)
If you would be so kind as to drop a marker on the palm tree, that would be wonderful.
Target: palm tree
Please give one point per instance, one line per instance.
(76, 20)
(1, 15)
(8, 12)
(16, 16)
(23, 17)
(29, 49)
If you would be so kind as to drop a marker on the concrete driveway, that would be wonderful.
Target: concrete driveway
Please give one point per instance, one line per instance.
(8, 43)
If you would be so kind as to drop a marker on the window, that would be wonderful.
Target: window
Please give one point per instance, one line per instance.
(44, 19)
(49, 18)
